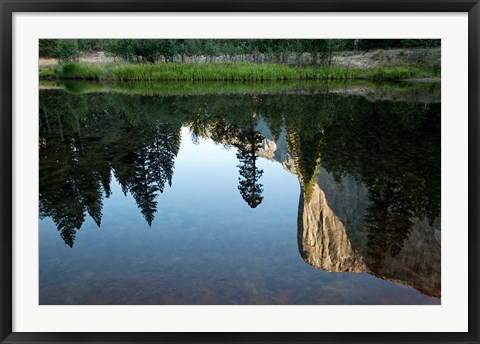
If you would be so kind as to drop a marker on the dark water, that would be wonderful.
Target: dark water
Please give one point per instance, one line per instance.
(290, 196)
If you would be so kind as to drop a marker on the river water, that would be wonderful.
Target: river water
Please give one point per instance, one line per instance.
(223, 194)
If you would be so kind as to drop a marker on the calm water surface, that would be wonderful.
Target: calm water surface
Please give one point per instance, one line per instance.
(293, 196)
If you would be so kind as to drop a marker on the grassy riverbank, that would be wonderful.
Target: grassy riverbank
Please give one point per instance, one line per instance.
(226, 72)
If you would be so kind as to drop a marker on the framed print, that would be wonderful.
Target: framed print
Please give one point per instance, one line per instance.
(239, 171)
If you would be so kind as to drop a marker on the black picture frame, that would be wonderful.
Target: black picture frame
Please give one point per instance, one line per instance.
(8, 7)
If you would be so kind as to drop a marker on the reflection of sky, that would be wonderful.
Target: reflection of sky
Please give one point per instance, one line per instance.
(206, 246)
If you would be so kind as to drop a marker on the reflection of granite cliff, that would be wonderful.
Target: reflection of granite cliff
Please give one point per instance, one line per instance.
(418, 262)
(332, 234)
(322, 238)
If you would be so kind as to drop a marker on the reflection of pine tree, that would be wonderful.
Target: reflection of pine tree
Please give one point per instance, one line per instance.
(388, 222)
(68, 235)
(306, 118)
(250, 189)
(199, 124)
(105, 175)
(143, 187)
(76, 160)
(241, 134)
(162, 154)
(89, 186)
(271, 111)
(93, 201)
(65, 208)
(59, 195)
(145, 163)
(74, 169)
(305, 144)
(67, 214)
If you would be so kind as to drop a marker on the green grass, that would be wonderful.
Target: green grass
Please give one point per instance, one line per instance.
(225, 72)
(48, 72)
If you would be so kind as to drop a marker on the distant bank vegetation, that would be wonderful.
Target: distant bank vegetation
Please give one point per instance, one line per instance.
(225, 59)
(275, 50)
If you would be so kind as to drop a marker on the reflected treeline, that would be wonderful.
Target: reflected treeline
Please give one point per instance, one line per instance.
(394, 150)
(82, 142)
(391, 147)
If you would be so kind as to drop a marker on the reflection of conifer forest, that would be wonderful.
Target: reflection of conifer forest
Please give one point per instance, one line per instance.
(391, 147)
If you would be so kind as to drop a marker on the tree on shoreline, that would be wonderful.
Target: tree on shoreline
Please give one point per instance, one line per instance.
(258, 50)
